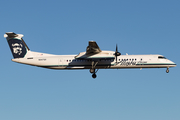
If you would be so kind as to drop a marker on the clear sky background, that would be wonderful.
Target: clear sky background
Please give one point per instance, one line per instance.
(65, 27)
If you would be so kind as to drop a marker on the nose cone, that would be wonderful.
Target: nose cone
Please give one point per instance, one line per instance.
(172, 64)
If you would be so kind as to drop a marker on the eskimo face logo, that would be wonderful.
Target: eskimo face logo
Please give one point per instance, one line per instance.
(17, 48)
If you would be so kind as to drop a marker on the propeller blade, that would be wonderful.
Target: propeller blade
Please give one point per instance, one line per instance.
(116, 59)
(117, 53)
(116, 48)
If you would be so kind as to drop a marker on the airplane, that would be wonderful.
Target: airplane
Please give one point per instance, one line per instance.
(93, 58)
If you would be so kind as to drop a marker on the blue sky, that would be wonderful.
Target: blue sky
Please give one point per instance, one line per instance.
(65, 27)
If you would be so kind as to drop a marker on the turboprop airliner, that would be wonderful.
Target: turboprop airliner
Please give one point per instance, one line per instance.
(93, 58)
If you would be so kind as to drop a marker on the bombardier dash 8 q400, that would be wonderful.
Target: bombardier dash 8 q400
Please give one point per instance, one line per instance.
(93, 59)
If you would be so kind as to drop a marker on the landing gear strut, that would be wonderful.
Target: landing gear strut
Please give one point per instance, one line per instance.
(93, 70)
(167, 71)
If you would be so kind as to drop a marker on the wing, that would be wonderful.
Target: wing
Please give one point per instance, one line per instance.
(92, 48)
(94, 52)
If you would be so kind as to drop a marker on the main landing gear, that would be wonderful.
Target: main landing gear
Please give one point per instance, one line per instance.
(167, 71)
(93, 70)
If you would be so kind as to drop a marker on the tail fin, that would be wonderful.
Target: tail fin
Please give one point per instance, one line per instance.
(17, 45)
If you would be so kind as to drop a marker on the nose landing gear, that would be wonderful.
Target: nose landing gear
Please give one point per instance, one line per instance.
(167, 71)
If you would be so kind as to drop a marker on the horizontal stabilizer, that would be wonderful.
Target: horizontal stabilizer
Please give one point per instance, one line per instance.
(10, 34)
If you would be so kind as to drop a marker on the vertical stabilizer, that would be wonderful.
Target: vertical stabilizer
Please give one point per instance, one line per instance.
(17, 45)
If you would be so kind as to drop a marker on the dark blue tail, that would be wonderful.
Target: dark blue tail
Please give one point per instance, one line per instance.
(17, 45)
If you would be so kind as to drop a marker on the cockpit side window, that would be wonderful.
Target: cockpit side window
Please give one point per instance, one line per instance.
(161, 57)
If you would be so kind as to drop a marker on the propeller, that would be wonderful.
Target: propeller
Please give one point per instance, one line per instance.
(117, 53)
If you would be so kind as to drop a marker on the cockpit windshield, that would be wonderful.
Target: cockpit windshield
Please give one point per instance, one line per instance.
(161, 57)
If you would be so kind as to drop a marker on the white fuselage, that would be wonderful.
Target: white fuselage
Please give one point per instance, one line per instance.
(93, 59)
(70, 62)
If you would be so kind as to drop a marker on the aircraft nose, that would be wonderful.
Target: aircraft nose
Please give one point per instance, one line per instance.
(173, 64)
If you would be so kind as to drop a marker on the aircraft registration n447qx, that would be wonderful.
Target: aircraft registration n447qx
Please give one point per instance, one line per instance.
(93, 59)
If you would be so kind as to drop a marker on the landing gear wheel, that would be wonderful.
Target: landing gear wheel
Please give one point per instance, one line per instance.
(92, 70)
(94, 75)
(167, 71)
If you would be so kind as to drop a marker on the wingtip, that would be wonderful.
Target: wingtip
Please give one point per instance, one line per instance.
(91, 41)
